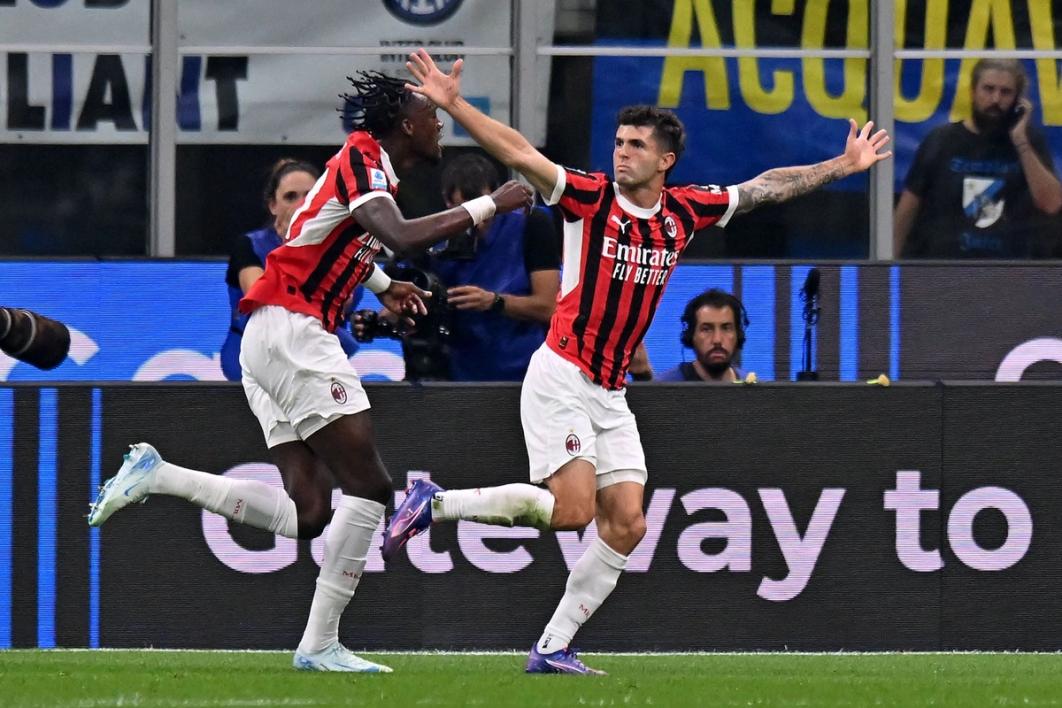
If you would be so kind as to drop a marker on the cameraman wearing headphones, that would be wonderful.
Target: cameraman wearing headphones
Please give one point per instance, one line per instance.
(713, 326)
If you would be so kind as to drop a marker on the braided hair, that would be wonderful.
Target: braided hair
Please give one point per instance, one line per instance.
(376, 103)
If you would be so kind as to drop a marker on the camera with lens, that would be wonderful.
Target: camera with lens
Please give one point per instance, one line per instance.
(425, 345)
(33, 338)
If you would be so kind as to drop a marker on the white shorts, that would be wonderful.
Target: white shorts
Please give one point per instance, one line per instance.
(296, 376)
(567, 416)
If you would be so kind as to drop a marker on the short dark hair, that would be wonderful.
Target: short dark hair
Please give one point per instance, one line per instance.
(471, 174)
(376, 104)
(1012, 66)
(667, 128)
(280, 169)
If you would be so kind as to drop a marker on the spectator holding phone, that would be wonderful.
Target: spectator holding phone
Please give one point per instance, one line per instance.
(983, 187)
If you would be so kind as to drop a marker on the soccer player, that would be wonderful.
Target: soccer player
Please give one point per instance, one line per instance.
(622, 239)
(306, 396)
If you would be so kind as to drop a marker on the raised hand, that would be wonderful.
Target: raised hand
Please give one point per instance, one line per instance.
(1019, 128)
(511, 196)
(439, 88)
(861, 148)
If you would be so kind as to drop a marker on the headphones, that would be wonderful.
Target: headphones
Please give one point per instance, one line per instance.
(713, 297)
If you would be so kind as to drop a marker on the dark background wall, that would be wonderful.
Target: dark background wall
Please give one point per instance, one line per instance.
(787, 462)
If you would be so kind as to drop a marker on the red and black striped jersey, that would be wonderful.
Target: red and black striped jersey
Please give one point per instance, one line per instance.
(326, 252)
(618, 258)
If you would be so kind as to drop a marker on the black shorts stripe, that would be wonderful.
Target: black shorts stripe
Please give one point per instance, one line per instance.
(324, 266)
(590, 267)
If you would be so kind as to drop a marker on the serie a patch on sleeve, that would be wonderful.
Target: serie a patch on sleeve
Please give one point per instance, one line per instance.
(377, 179)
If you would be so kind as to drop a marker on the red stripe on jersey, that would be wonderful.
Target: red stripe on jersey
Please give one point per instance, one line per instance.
(626, 259)
(326, 252)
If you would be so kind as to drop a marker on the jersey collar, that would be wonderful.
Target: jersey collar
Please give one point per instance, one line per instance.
(633, 209)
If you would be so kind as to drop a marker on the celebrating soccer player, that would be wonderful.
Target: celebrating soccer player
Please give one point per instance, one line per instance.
(306, 396)
(622, 239)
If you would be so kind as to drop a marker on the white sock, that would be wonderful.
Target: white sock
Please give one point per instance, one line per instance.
(507, 505)
(346, 546)
(591, 581)
(243, 500)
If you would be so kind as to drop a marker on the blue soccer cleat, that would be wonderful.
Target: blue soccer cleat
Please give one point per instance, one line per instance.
(131, 484)
(411, 517)
(336, 658)
(563, 661)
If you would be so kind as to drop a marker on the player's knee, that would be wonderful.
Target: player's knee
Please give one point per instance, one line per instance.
(373, 484)
(382, 491)
(622, 533)
(313, 524)
(314, 510)
(573, 516)
(636, 530)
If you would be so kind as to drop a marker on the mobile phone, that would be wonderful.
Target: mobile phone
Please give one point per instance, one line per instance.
(1014, 114)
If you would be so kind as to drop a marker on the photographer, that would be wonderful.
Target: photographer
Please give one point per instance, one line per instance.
(983, 187)
(501, 279)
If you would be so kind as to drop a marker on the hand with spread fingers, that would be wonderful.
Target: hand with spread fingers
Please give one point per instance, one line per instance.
(441, 89)
(862, 149)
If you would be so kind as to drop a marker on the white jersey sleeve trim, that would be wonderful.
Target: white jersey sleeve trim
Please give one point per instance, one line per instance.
(558, 189)
(572, 255)
(366, 197)
(732, 192)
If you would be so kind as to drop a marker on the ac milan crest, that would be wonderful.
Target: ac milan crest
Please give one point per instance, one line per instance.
(670, 226)
(339, 394)
(572, 444)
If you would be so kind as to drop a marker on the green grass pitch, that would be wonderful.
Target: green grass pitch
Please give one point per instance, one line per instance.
(90, 679)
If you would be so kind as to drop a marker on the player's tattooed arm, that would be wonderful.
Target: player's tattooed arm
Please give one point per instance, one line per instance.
(861, 150)
(784, 183)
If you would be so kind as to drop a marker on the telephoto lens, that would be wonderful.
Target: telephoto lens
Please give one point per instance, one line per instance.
(35, 339)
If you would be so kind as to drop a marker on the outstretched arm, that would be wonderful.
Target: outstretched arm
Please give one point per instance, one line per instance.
(382, 219)
(784, 183)
(501, 141)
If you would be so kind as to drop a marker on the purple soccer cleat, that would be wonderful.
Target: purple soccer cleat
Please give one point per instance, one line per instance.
(410, 518)
(563, 661)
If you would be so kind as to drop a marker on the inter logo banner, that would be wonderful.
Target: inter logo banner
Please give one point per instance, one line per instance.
(228, 92)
